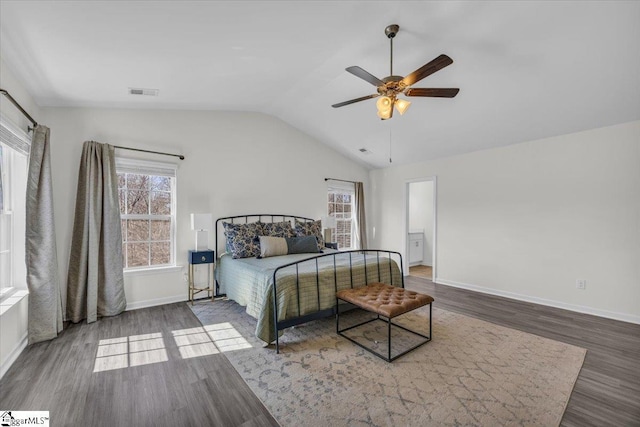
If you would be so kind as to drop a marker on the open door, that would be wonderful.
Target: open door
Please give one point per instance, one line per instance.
(420, 255)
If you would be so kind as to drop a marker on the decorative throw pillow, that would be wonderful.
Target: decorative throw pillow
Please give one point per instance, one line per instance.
(242, 239)
(310, 228)
(276, 246)
(272, 246)
(302, 245)
(278, 229)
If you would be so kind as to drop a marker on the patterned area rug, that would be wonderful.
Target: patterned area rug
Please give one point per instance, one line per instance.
(472, 372)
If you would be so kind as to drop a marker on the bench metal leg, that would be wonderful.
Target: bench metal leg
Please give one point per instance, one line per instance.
(388, 357)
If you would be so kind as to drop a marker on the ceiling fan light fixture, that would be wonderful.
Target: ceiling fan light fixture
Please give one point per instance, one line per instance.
(384, 114)
(384, 103)
(402, 105)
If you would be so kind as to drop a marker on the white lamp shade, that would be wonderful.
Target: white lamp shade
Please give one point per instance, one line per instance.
(201, 221)
(329, 222)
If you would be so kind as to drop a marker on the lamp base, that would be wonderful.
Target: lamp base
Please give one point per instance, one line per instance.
(202, 240)
(328, 235)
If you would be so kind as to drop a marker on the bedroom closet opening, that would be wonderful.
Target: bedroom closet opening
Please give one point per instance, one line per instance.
(420, 227)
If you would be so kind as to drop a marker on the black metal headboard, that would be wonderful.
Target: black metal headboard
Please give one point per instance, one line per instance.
(246, 219)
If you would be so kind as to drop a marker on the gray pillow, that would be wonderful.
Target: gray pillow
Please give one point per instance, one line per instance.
(302, 245)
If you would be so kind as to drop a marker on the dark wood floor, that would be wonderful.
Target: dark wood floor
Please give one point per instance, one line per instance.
(58, 375)
(607, 392)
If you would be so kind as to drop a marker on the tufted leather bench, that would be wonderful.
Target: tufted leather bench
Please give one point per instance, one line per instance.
(389, 302)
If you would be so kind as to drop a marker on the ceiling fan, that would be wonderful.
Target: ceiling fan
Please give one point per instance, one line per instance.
(391, 86)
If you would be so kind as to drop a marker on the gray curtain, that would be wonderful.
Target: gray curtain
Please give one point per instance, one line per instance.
(361, 223)
(45, 303)
(95, 284)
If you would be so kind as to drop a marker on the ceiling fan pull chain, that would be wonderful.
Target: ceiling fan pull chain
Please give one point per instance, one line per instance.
(390, 146)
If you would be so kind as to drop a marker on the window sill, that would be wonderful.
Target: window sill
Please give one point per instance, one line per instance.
(154, 270)
(12, 300)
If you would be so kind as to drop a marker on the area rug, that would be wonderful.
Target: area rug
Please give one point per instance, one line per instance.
(472, 373)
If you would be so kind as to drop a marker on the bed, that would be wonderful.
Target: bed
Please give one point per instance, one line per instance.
(304, 285)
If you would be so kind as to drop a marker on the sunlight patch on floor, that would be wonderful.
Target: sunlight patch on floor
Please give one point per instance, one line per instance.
(194, 342)
(135, 350)
(226, 337)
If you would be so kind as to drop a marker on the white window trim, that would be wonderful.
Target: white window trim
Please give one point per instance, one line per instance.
(19, 141)
(148, 167)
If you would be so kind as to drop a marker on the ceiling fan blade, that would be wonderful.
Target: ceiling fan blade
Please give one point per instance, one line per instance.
(365, 75)
(437, 93)
(427, 69)
(351, 101)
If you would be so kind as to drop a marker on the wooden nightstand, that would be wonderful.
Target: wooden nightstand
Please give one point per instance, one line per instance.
(201, 257)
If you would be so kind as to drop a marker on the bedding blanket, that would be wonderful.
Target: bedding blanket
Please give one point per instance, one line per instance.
(249, 282)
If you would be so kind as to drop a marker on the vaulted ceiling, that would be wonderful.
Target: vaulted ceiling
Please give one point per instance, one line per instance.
(526, 70)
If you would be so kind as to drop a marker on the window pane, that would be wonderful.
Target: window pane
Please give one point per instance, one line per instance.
(138, 230)
(160, 229)
(137, 182)
(332, 208)
(331, 197)
(137, 202)
(121, 196)
(160, 203)
(148, 221)
(160, 183)
(346, 198)
(339, 208)
(160, 253)
(137, 254)
(339, 198)
(347, 208)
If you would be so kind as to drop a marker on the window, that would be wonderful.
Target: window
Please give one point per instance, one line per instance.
(14, 150)
(147, 192)
(341, 206)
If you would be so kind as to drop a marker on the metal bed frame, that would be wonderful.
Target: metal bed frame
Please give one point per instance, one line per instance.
(320, 313)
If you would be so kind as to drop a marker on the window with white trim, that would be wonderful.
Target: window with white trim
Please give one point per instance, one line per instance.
(341, 205)
(14, 158)
(147, 192)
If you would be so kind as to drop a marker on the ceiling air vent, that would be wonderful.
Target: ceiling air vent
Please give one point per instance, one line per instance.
(146, 92)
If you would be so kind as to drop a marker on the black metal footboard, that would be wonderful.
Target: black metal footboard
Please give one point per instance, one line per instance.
(341, 263)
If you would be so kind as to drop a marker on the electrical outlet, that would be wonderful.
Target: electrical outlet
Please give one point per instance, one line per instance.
(581, 284)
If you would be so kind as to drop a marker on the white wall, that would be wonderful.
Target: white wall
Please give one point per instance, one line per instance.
(13, 315)
(529, 219)
(421, 215)
(236, 163)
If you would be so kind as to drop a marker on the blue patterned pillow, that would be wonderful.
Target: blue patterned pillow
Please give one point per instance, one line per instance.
(242, 239)
(278, 229)
(310, 228)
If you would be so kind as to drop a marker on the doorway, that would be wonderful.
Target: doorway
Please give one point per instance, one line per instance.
(421, 227)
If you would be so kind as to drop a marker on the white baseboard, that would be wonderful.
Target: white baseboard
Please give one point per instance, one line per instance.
(156, 301)
(21, 345)
(542, 301)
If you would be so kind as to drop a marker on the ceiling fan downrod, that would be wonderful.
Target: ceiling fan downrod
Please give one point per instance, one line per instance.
(391, 32)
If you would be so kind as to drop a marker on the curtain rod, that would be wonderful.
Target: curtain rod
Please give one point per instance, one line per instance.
(180, 156)
(343, 180)
(19, 107)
